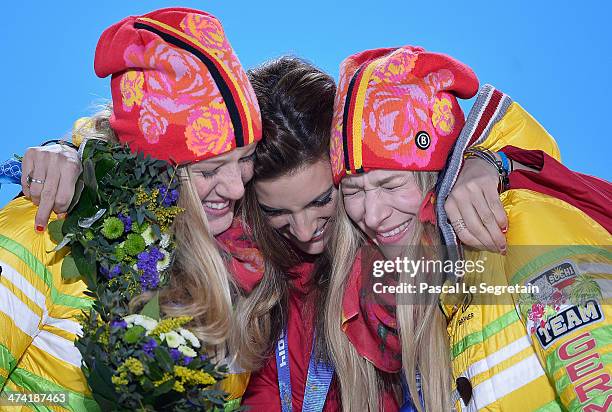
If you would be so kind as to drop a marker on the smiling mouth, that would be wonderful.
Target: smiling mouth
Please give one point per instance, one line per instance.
(395, 234)
(217, 208)
(318, 235)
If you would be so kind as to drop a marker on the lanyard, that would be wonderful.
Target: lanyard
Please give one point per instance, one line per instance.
(408, 405)
(317, 382)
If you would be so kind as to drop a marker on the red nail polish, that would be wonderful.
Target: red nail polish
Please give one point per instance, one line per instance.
(505, 230)
(40, 228)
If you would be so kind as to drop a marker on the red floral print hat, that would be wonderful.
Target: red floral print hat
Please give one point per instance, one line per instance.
(397, 109)
(179, 92)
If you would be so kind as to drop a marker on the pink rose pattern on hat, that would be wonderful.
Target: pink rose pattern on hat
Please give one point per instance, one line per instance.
(180, 91)
(398, 105)
(401, 105)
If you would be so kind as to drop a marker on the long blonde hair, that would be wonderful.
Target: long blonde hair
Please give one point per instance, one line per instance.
(200, 285)
(422, 326)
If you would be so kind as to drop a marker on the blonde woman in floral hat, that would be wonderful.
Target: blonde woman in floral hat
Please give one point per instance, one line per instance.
(179, 95)
(399, 140)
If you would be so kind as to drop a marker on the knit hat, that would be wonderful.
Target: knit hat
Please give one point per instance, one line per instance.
(179, 92)
(397, 109)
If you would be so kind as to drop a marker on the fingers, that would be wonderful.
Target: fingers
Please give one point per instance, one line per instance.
(455, 217)
(495, 205)
(488, 221)
(26, 170)
(38, 178)
(47, 200)
(54, 171)
(69, 174)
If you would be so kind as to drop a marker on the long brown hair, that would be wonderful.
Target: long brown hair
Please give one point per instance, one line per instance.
(296, 103)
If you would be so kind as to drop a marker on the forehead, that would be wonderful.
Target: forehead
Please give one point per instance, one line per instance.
(298, 188)
(227, 157)
(377, 177)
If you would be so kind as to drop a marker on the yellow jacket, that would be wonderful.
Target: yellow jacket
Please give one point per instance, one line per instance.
(37, 317)
(510, 353)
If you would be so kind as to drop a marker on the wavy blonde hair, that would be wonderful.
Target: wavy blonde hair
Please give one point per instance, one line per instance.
(422, 326)
(200, 285)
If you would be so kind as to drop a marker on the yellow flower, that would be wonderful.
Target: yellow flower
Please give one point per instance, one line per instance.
(178, 386)
(119, 380)
(193, 377)
(165, 215)
(132, 365)
(170, 324)
(167, 376)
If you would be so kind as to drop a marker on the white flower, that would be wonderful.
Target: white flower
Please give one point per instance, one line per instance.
(165, 240)
(187, 334)
(173, 339)
(187, 351)
(146, 322)
(164, 262)
(148, 235)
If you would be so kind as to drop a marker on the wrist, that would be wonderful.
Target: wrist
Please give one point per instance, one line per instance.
(498, 160)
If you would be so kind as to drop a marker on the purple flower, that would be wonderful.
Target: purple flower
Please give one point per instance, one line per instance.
(169, 198)
(187, 360)
(175, 354)
(149, 281)
(149, 346)
(203, 357)
(119, 324)
(147, 262)
(127, 222)
(115, 270)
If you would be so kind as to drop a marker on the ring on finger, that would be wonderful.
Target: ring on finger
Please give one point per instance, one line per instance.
(458, 225)
(30, 180)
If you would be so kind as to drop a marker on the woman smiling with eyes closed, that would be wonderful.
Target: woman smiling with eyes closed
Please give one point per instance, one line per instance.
(491, 353)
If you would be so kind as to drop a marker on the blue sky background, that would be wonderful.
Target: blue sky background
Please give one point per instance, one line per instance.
(552, 57)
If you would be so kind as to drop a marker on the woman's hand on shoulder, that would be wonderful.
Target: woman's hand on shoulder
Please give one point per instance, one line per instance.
(49, 176)
(474, 208)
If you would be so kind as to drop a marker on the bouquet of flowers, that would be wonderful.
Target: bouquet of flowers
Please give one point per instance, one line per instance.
(120, 240)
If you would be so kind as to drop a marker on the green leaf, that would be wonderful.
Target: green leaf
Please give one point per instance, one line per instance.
(164, 359)
(69, 268)
(55, 230)
(164, 388)
(89, 175)
(151, 309)
(134, 333)
(85, 262)
(102, 387)
(104, 166)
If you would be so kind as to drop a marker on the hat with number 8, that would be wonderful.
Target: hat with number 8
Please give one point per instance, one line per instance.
(397, 109)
